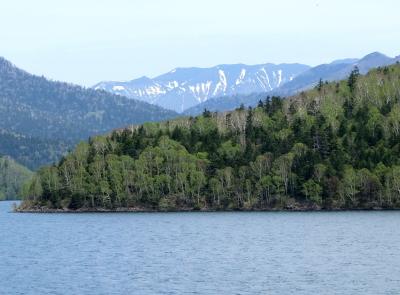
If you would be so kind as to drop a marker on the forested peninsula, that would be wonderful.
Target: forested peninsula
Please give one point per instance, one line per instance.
(336, 146)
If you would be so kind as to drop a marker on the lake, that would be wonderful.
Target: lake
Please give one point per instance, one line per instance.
(200, 253)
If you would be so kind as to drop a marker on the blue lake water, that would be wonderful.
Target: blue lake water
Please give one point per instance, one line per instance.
(200, 253)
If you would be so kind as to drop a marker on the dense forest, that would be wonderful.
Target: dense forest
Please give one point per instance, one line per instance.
(336, 146)
(12, 178)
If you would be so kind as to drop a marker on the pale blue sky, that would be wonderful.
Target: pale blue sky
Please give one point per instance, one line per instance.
(85, 41)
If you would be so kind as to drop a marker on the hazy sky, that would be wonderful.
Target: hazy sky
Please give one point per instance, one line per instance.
(85, 41)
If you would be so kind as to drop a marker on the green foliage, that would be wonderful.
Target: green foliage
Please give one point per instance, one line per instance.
(30, 151)
(336, 146)
(351, 82)
(312, 191)
(12, 178)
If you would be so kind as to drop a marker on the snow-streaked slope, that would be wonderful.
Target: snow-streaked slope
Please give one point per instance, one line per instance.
(183, 88)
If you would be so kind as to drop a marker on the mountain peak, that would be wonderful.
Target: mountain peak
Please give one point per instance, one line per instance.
(7, 68)
(142, 79)
(4, 62)
(373, 60)
(374, 55)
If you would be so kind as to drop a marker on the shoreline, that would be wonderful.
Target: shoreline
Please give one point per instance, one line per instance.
(190, 210)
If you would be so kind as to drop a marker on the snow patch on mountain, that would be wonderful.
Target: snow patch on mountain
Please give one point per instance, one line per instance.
(221, 85)
(118, 88)
(279, 77)
(241, 77)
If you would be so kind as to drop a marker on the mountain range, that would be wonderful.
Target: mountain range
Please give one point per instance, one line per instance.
(225, 87)
(183, 88)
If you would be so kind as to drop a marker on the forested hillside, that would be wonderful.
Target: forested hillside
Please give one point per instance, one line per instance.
(41, 108)
(30, 151)
(335, 146)
(12, 178)
(56, 115)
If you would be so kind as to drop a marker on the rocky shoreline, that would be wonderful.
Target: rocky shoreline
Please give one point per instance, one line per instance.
(149, 210)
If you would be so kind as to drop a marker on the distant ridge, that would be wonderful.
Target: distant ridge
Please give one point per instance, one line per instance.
(183, 88)
(336, 70)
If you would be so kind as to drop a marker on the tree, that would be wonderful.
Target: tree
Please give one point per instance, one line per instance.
(197, 181)
(283, 169)
(312, 191)
(265, 187)
(320, 85)
(349, 187)
(34, 190)
(12, 178)
(393, 178)
(352, 80)
(319, 172)
(261, 165)
(394, 119)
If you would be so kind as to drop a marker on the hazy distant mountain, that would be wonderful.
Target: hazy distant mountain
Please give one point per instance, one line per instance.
(46, 111)
(183, 88)
(336, 70)
(345, 61)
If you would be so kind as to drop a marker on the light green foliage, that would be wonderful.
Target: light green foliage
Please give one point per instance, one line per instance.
(229, 150)
(33, 190)
(349, 187)
(394, 119)
(12, 178)
(312, 191)
(332, 111)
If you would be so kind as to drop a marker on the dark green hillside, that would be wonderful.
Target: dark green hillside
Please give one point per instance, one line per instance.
(56, 115)
(12, 178)
(32, 152)
(32, 105)
(336, 146)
